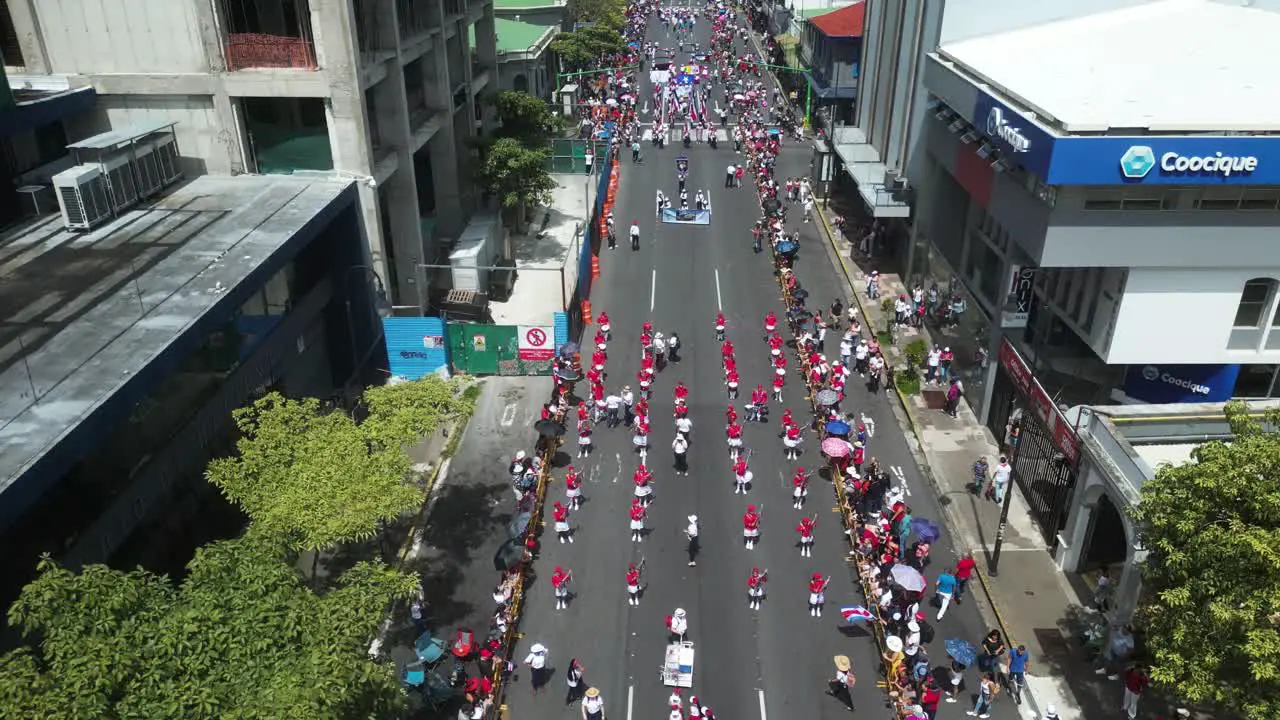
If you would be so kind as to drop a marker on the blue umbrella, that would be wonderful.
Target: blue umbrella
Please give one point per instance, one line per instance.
(836, 427)
(962, 651)
(927, 530)
(788, 246)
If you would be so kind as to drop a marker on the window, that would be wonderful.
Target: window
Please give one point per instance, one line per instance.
(1104, 200)
(1253, 302)
(1259, 199)
(1219, 199)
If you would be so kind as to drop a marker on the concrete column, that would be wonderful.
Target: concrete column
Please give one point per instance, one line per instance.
(401, 191)
(30, 37)
(487, 38)
(443, 146)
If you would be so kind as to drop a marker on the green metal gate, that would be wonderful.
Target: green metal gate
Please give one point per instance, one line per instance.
(476, 349)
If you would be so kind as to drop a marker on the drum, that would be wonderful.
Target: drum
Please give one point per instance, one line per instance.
(637, 524)
(562, 527)
(735, 442)
(749, 533)
(584, 439)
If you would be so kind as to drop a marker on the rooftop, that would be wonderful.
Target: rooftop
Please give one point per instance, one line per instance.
(541, 254)
(82, 313)
(516, 36)
(1168, 66)
(847, 22)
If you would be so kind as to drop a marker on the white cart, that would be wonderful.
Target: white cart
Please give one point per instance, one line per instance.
(677, 668)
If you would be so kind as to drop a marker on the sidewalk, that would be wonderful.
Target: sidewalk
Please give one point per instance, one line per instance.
(1031, 600)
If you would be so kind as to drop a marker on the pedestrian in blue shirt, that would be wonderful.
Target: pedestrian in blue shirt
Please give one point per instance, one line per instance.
(1018, 666)
(945, 588)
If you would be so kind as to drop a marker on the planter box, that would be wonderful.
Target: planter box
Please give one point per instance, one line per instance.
(934, 398)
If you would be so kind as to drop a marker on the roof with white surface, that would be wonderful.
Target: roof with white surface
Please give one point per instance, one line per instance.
(1171, 66)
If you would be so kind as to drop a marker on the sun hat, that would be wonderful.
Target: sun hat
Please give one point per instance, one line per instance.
(593, 692)
(842, 663)
(894, 643)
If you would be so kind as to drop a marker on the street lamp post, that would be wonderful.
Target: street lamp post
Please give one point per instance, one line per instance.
(380, 305)
(993, 568)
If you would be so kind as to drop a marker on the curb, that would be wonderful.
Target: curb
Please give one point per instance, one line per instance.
(991, 611)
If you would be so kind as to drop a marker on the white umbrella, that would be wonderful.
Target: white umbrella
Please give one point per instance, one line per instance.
(908, 578)
(739, 96)
(611, 102)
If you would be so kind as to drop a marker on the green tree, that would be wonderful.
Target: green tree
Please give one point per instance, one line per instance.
(584, 48)
(403, 413)
(241, 637)
(610, 12)
(517, 175)
(1211, 603)
(314, 478)
(525, 118)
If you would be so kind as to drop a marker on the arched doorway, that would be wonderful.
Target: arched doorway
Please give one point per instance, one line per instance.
(520, 83)
(1107, 543)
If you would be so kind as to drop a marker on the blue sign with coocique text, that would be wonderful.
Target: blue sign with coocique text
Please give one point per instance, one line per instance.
(1126, 160)
(1181, 383)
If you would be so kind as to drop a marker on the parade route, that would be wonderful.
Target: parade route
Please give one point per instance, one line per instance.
(774, 662)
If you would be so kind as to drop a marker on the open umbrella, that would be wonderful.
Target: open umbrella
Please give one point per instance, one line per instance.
(772, 205)
(827, 397)
(509, 554)
(518, 525)
(838, 427)
(567, 374)
(799, 293)
(739, 96)
(788, 247)
(569, 349)
(927, 530)
(908, 578)
(961, 650)
(835, 447)
(549, 428)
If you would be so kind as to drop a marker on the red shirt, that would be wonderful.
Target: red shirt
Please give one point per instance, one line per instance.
(1135, 681)
(964, 568)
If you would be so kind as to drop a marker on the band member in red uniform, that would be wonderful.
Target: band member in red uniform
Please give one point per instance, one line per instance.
(730, 415)
(560, 585)
(645, 382)
(573, 488)
(770, 324)
(646, 328)
(584, 438)
(583, 413)
(731, 383)
(637, 520)
(680, 393)
(633, 585)
(741, 476)
(734, 433)
(799, 488)
(780, 365)
(643, 491)
(775, 345)
(561, 515)
(751, 527)
(817, 594)
(603, 321)
(791, 440)
(779, 382)
(598, 359)
(720, 324)
(755, 587)
(787, 421)
(726, 349)
(759, 405)
(806, 528)
(640, 439)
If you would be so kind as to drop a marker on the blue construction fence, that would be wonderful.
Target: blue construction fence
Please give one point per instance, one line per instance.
(592, 240)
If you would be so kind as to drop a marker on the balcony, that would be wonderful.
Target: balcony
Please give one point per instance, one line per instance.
(247, 51)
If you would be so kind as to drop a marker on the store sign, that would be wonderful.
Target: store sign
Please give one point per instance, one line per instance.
(1181, 383)
(1023, 142)
(1039, 403)
(1017, 309)
(1165, 160)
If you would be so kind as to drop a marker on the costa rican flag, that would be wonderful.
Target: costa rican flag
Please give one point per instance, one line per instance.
(855, 613)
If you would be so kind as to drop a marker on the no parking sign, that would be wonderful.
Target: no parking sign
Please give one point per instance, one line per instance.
(536, 342)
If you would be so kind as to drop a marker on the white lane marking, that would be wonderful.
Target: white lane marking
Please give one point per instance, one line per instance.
(653, 288)
(593, 475)
(763, 715)
(902, 478)
(719, 305)
(618, 457)
(631, 699)
(509, 415)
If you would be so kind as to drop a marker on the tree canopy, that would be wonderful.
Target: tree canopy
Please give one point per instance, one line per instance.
(242, 636)
(1211, 604)
(610, 12)
(400, 414)
(525, 118)
(517, 175)
(584, 48)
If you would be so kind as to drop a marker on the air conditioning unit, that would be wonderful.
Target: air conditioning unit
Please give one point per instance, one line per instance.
(155, 164)
(120, 181)
(165, 150)
(83, 196)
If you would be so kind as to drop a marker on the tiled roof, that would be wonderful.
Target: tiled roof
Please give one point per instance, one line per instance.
(847, 22)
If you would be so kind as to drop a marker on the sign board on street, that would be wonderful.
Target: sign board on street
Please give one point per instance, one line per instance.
(536, 342)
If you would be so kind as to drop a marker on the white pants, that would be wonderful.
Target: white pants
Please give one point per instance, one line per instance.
(945, 599)
(1130, 703)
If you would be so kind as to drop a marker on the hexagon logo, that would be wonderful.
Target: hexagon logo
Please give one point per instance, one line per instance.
(1137, 161)
(1151, 373)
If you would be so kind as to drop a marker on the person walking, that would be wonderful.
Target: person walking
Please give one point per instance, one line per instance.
(573, 678)
(691, 532)
(560, 587)
(592, 705)
(560, 514)
(538, 670)
(680, 449)
(1000, 479)
(628, 405)
(637, 520)
(633, 585)
(1135, 683)
(841, 686)
(987, 691)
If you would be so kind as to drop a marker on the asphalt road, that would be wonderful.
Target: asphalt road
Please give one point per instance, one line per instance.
(768, 663)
